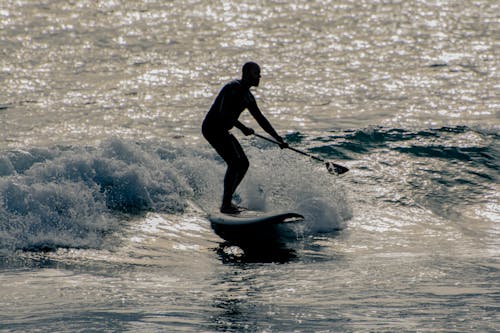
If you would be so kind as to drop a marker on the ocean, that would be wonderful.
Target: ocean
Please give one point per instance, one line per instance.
(106, 181)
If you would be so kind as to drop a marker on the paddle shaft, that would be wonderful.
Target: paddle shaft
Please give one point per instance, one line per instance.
(291, 148)
(332, 168)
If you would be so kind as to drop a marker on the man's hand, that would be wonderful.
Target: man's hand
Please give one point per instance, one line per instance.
(247, 131)
(282, 143)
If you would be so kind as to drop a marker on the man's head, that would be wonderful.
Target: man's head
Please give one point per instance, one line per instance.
(251, 74)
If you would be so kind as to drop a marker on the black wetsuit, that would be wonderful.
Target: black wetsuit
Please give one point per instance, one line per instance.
(232, 100)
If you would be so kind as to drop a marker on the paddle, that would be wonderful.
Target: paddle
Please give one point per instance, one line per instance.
(332, 168)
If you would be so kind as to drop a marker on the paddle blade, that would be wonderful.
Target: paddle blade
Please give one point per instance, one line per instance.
(336, 169)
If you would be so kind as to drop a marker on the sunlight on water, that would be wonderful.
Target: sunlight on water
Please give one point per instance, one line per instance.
(389, 66)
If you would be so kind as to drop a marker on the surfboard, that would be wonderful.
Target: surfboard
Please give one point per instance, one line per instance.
(253, 227)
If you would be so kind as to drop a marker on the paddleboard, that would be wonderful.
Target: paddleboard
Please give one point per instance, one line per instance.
(252, 227)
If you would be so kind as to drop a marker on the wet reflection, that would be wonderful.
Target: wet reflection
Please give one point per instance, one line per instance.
(248, 296)
(259, 253)
(242, 302)
(233, 309)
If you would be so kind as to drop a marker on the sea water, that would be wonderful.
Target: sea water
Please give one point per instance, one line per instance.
(105, 180)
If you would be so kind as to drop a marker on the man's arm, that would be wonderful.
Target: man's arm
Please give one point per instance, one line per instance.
(265, 124)
(246, 130)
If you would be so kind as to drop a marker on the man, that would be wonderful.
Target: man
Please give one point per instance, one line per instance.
(232, 100)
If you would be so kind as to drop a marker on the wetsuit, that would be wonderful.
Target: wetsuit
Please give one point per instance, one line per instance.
(232, 100)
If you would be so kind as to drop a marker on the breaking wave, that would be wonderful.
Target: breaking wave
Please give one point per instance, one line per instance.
(82, 196)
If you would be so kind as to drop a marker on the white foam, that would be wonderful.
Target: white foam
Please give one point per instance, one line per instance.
(279, 180)
(70, 197)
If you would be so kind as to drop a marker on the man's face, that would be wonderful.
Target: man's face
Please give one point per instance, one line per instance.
(254, 75)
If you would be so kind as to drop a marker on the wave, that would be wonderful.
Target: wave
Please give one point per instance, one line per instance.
(70, 196)
(85, 197)
(461, 143)
(439, 169)
(81, 197)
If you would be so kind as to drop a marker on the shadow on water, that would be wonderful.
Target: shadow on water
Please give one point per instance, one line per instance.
(308, 248)
(242, 298)
(231, 253)
(236, 306)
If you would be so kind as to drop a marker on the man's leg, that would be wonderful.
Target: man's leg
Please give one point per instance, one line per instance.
(237, 166)
(230, 150)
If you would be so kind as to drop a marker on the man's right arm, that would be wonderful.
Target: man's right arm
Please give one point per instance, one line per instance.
(245, 130)
(266, 125)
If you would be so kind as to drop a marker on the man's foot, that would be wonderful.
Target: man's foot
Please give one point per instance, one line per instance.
(231, 209)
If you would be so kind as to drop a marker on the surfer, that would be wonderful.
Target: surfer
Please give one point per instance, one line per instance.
(231, 101)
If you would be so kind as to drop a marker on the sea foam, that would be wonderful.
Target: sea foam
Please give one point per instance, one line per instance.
(71, 197)
(83, 196)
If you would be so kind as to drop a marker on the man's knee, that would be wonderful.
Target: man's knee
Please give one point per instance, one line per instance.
(244, 163)
(240, 164)
(237, 162)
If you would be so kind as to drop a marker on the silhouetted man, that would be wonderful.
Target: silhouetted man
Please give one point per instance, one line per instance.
(232, 100)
